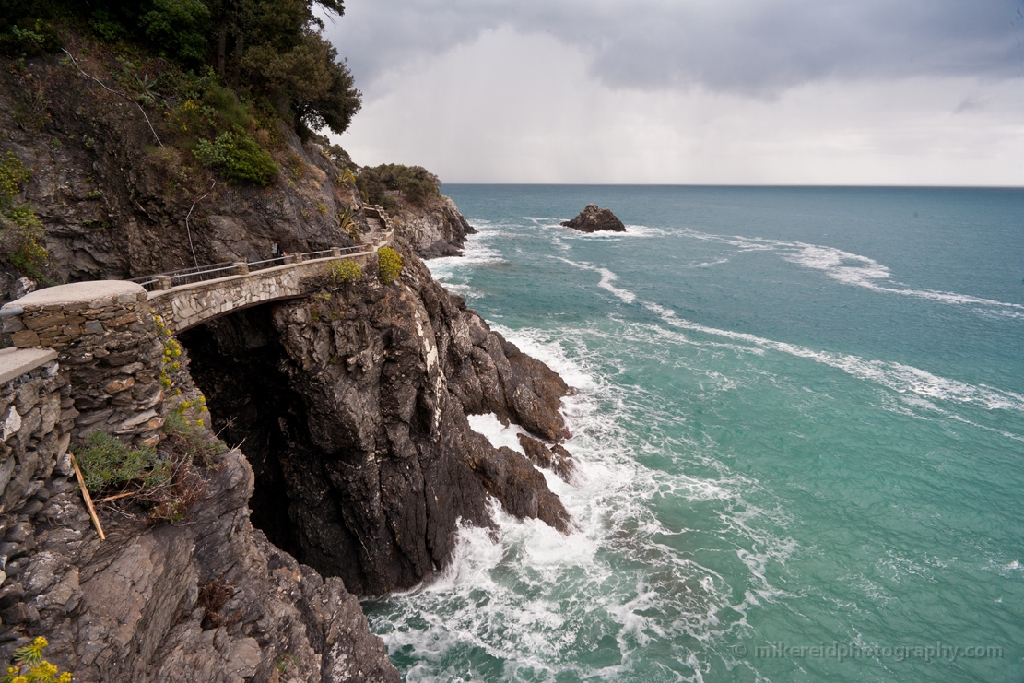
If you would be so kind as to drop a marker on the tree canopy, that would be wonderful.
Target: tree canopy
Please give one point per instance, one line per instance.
(272, 49)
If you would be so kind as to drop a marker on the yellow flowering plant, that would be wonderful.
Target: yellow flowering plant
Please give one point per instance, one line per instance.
(30, 667)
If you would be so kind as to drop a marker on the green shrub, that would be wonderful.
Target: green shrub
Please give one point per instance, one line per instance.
(345, 271)
(237, 156)
(29, 37)
(346, 223)
(21, 233)
(189, 435)
(415, 182)
(107, 462)
(390, 265)
(12, 175)
(23, 241)
(228, 109)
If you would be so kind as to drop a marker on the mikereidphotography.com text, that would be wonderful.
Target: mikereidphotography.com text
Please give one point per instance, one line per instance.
(843, 651)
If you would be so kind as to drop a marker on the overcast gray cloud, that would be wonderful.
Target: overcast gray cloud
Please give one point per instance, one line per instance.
(755, 47)
(694, 91)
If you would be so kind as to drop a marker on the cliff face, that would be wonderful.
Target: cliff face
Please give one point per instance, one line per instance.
(348, 406)
(205, 598)
(114, 204)
(433, 228)
(352, 406)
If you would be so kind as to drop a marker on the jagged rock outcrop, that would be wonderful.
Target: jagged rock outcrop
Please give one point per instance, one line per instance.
(433, 228)
(593, 219)
(556, 458)
(204, 599)
(352, 407)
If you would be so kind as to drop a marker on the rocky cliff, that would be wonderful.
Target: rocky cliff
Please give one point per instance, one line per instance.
(352, 407)
(347, 407)
(434, 227)
(115, 204)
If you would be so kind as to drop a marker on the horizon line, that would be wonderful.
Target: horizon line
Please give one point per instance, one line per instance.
(750, 185)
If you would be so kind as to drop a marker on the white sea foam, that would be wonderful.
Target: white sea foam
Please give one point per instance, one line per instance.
(852, 269)
(892, 375)
(453, 271)
(498, 434)
(632, 231)
(607, 278)
(709, 264)
(463, 290)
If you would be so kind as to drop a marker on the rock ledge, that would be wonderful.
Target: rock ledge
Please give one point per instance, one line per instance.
(592, 219)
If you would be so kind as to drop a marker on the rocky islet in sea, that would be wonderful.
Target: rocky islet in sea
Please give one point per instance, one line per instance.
(595, 219)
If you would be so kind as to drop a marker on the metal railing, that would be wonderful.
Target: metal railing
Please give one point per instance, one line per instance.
(186, 276)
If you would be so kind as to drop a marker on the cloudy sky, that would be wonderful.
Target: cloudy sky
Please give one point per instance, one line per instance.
(917, 92)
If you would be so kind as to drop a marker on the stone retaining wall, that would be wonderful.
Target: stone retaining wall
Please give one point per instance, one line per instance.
(37, 414)
(109, 345)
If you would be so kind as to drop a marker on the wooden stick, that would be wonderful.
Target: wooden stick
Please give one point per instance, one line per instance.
(117, 497)
(88, 499)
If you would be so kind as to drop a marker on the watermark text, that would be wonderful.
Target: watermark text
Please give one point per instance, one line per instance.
(929, 652)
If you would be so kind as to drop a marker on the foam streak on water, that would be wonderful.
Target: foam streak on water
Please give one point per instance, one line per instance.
(857, 270)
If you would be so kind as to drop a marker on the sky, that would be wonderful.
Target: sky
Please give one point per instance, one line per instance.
(833, 92)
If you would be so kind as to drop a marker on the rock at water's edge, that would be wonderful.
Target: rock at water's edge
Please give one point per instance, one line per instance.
(593, 218)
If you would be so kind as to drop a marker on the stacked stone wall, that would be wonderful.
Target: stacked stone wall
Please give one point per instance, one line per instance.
(106, 338)
(38, 416)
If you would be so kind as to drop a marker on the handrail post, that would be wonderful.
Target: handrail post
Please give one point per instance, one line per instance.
(335, 251)
(164, 282)
(240, 268)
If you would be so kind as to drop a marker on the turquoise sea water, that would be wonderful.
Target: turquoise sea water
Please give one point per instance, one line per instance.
(799, 429)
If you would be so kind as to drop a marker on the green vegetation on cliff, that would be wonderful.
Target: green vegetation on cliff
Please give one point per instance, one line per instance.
(269, 51)
(21, 233)
(389, 265)
(414, 182)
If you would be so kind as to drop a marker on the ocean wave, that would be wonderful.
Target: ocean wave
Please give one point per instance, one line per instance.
(856, 270)
(890, 374)
(607, 278)
(708, 264)
(632, 231)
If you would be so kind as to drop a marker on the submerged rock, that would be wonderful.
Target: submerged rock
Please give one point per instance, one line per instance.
(556, 458)
(593, 218)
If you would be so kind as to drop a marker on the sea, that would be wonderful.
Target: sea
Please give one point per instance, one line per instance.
(798, 427)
